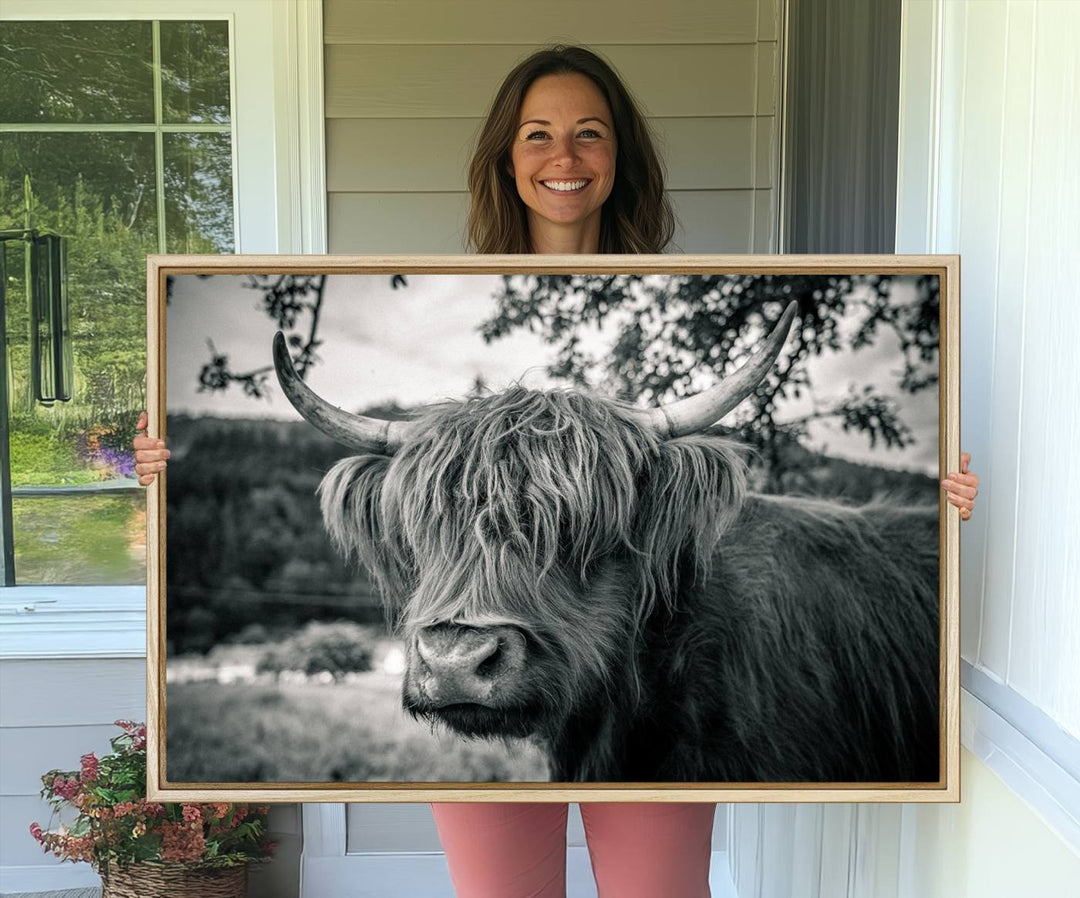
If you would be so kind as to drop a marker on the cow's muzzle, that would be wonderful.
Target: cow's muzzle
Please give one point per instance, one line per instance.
(457, 664)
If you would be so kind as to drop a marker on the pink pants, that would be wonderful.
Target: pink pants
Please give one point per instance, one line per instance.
(513, 850)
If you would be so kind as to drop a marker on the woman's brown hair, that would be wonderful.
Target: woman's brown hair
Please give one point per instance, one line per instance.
(637, 216)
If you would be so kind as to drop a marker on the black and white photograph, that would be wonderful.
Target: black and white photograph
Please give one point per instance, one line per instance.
(482, 525)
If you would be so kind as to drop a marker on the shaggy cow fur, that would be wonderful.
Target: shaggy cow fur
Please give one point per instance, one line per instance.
(677, 627)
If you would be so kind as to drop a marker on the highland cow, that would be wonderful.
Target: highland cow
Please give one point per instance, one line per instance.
(599, 578)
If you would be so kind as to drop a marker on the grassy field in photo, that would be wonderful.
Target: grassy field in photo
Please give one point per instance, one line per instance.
(353, 731)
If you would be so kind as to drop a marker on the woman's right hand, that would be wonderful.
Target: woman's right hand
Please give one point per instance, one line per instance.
(150, 454)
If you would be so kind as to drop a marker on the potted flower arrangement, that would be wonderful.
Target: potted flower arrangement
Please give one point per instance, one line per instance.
(142, 847)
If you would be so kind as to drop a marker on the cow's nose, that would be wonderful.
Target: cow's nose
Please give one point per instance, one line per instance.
(461, 664)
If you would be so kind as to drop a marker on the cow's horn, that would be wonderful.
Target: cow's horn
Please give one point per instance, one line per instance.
(694, 413)
(354, 431)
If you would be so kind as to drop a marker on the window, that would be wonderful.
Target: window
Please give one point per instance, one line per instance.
(116, 135)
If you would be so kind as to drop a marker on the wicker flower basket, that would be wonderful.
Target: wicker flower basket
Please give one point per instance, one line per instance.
(174, 881)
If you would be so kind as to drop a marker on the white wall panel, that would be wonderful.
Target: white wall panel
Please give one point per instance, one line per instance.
(979, 157)
(1005, 194)
(1007, 350)
(1045, 643)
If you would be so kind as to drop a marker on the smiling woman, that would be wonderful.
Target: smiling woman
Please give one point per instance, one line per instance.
(563, 116)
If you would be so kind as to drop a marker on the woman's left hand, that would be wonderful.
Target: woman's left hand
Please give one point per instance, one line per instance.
(962, 488)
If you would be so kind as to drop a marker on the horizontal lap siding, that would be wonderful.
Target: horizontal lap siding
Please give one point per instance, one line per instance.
(460, 80)
(53, 712)
(530, 23)
(408, 83)
(432, 154)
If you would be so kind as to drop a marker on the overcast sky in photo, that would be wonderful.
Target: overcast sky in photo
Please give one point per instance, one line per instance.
(421, 344)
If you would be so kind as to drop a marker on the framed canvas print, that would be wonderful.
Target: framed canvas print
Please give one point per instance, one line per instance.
(554, 528)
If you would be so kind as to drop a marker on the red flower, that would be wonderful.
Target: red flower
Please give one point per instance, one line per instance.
(36, 831)
(89, 767)
(192, 813)
(65, 788)
(181, 842)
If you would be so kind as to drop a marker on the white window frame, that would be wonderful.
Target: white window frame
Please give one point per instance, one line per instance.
(279, 198)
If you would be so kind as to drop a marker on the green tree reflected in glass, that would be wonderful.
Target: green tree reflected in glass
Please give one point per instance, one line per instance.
(64, 72)
(195, 72)
(198, 193)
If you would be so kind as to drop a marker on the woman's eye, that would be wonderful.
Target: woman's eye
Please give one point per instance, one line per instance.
(589, 132)
(536, 135)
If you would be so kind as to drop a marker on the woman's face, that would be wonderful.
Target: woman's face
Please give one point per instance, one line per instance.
(563, 154)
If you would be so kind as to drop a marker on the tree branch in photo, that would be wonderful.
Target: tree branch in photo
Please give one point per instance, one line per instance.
(658, 338)
(294, 302)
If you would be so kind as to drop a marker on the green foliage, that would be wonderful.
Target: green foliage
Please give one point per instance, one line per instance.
(338, 648)
(99, 190)
(38, 458)
(106, 287)
(82, 539)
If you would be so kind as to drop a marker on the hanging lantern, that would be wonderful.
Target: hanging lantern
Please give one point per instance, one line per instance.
(51, 358)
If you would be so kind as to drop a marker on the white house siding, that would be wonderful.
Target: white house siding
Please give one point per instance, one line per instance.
(53, 712)
(408, 83)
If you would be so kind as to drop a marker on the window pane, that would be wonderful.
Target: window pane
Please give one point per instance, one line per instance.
(195, 71)
(76, 178)
(81, 540)
(76, 72)
(98, 191)
(198, 193)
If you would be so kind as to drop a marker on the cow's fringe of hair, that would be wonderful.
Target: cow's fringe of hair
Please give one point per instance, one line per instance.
(503, 503)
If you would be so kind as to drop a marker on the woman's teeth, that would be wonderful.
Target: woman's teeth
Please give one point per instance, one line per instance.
(564, 186)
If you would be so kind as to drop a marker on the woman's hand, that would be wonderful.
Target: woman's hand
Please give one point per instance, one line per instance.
(150, 454)
(962, 488)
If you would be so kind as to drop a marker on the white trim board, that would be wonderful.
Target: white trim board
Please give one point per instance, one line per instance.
(72, 622)
(1048, 788)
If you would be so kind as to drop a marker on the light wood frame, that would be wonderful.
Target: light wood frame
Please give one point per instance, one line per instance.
(947, 789)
